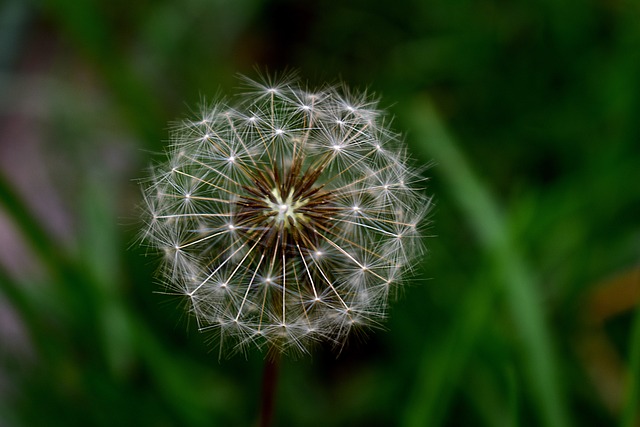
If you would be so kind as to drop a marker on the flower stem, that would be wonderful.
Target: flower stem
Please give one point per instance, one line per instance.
(269, 383)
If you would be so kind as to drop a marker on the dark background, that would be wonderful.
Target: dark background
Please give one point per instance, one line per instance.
(522, 314)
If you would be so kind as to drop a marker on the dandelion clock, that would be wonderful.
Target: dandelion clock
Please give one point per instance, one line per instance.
(286, 218)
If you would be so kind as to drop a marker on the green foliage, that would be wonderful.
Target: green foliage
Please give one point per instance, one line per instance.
(527, 114)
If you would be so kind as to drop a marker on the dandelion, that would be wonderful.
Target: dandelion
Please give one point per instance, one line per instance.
(286, 218)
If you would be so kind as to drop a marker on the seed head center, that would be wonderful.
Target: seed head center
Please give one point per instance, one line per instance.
(285, 211)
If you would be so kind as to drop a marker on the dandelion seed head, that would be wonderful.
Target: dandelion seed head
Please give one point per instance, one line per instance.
(283, 219)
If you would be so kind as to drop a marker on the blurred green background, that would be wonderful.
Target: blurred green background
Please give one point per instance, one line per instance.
(524, 312)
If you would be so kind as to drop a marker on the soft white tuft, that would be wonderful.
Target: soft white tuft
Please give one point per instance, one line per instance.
(288, 218)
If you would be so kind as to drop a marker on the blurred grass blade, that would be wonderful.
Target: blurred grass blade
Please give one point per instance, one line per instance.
(31, 228)
(630, 412)
(486, 221)
(442, 365)
(93, 35)
(496, 405)
(99, 249)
